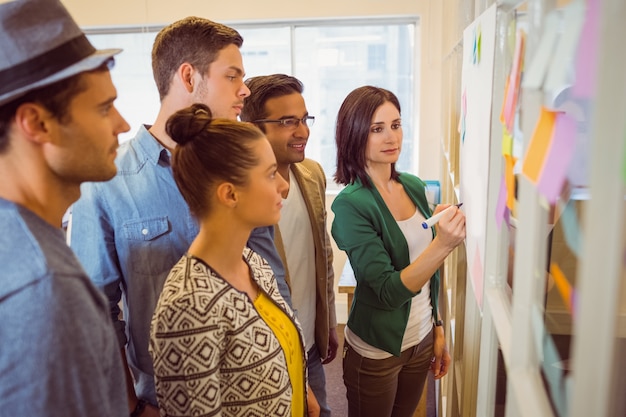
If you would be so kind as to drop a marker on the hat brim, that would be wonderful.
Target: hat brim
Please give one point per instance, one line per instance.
(89, 63)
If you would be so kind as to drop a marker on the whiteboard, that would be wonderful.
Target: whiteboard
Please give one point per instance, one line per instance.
(475, 127)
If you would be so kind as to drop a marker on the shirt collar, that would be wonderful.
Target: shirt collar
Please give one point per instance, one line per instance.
(152, 148)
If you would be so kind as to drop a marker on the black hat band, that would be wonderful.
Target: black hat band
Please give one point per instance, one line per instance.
(45, 65)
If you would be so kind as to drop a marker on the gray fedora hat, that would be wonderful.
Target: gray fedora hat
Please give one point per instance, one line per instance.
(41, 44)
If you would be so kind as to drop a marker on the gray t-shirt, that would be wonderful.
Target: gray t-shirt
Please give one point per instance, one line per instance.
(59, 355)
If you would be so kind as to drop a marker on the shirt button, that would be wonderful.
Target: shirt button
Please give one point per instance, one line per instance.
(144, 231)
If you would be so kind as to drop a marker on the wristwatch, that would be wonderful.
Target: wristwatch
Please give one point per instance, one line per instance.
(438, 323)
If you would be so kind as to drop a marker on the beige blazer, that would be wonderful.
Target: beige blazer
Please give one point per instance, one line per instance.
(312, 181)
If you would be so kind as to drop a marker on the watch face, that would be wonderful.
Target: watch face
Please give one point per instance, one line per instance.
(439, 323)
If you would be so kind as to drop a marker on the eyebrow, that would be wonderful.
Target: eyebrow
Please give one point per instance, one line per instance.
(292, 116)
(382, 123)
(238, 70)
(107, 102)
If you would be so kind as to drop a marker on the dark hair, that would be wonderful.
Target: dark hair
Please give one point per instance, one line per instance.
(264, 88)
(210, 150)
(353, 127)
(194, 40)
(56, 98)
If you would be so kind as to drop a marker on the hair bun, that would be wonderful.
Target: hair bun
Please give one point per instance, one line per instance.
(186, 124)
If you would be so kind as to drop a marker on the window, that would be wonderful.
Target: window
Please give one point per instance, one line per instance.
(330, 59)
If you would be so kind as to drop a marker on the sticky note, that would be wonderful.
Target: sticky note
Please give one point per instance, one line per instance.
(587, 54)
(537, 69)
(539, 144)
(565, 52)
(507, 142)
(559, 156)
(501, 208)
(562, 285)
(509, 164)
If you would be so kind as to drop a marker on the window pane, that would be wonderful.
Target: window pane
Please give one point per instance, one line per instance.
(331, 61)
(138, 97)
(266, 51)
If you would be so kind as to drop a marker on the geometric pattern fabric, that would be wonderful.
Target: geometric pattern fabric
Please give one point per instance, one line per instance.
(213, 354)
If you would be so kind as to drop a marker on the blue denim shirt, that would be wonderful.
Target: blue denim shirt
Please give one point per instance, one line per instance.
(129, 232)
(58, 355)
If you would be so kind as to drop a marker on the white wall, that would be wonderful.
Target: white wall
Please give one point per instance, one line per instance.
(151, 12)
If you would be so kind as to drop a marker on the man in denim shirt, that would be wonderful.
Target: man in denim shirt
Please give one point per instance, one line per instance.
(129, 232)
(58, 128)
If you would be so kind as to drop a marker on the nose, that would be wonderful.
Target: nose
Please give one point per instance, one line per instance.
(282, 185)
(302, 130)
(121, 125)
(244, 91)
(393, 136)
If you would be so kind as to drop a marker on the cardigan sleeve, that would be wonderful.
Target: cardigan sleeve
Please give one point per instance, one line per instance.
(358, 229)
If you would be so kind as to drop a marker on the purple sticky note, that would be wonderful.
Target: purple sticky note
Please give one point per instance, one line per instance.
(559, 156)
(587, 56)
(501, 208)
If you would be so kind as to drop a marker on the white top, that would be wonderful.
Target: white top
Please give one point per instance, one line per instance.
(420, 317)
(297, 234)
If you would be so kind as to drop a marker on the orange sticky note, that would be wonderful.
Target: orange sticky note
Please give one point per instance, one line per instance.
(563, 285)
(509, 178)
(539, 145)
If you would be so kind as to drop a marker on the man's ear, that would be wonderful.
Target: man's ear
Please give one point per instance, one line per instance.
(34, 121)
(186, 74)
(227, 194)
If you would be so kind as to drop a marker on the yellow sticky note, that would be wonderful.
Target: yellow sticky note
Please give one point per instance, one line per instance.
(507, 142)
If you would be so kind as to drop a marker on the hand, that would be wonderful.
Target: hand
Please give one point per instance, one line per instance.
(451, 228)
(333, 345)
(313, 407)
(441, 357)
(150, 411)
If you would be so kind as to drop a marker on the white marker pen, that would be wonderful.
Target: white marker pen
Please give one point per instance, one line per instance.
(434, 219)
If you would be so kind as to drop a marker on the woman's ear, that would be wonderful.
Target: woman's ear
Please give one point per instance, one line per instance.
(227, 194)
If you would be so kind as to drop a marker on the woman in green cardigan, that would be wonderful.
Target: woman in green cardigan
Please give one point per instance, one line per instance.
(394, 334)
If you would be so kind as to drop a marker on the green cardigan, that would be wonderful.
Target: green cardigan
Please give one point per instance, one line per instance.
(365, 229)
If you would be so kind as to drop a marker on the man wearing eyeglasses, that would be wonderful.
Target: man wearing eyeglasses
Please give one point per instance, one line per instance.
(277, 107)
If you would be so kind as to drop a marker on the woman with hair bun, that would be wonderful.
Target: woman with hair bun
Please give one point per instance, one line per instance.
(223, 340)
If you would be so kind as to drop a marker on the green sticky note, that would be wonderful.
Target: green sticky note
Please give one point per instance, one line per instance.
(478, 44)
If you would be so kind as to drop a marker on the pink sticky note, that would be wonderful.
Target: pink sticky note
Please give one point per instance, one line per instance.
(559, 156)
(587, 56)
(511, 95)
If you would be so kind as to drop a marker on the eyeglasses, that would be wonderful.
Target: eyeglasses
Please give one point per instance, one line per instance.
(290, 122)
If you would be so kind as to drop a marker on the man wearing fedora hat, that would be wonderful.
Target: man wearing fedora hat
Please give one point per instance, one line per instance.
(131, 231)
(58, 128)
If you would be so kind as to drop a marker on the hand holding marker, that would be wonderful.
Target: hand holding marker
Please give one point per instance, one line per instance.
(434, 219)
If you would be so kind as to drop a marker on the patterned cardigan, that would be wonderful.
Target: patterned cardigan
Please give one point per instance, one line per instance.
(213, 354)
